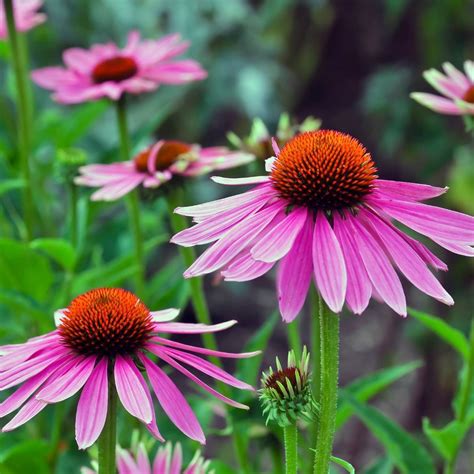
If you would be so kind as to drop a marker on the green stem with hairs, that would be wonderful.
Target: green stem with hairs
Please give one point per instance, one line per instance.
(294, 337)
(466, 390)
(23, 115)
(198, 299)
(329, 373)
(132, 199)
(315, 355)
(108, 437)
(290, 434)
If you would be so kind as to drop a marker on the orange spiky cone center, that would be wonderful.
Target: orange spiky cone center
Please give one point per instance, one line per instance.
(114, 69)
(166, 156)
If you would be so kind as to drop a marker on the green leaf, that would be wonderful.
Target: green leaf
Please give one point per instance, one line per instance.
(452, 336)
(403, 449)
(365, 388)
(448, 439)
(28, 456)
(21, 304)
(381, 466)
(346, 465)
(24, 270)
(9, 184)
(61, 251)
(248, 369)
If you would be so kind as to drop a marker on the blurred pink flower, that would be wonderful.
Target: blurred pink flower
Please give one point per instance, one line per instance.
(166, 462)
(157, 165)
(456, 86)
(26, 16)
(105, 70)
(100, 338)
(323, 214)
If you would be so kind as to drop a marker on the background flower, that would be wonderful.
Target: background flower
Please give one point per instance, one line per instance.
(26, 16)
(156, 166)
(456, 86)
(105, 70)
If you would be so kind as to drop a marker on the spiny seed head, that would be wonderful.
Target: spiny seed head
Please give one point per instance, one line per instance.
(169, 153)
(114, 69)
(286, 394)
(325, 169)
(106, 322)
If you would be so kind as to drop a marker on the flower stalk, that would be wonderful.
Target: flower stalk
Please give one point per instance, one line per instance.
(290, 434)
(108, 437)
(23, 114)
(329, 370)
(132, 198)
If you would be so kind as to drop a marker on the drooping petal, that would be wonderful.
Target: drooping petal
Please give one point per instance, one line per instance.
(403, 191)
(92, 406)
(328, 263)
(173, 402)
(279, 239)
(381, 273)
(436, 103)
(129, 389)
(240, 181)
(407, 260)
(295, 273)
(190, 328)
(164, 315)
(244, 268)
(359, 287)
(30, 409)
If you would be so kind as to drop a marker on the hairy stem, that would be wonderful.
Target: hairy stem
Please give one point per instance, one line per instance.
(108, 437)
(290, 434)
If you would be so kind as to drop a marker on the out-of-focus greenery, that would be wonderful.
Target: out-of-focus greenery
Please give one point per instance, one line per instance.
(352, 64)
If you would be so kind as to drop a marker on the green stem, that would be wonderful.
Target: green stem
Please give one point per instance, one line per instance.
(19, 67)
(294, 337)
(329, 368)
(198, 299)
(108, 437)
(465, 397)
(290, 433)
(316, 356)
(132, 199)
(73, 215)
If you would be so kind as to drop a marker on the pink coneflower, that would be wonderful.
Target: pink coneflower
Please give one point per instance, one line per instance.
(157, 165)
(324, 214)
(456, 86)
(105, 70)
(100, 338)
(167, 461)
(26, 16)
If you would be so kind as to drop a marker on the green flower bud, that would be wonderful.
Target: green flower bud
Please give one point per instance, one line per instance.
(286, 394)
(68, 161)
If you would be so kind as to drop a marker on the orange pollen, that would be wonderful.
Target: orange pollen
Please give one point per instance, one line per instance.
(281, 376)
(167, 155)
(106, 321)
(325, 170)
(469, 95)
(114, 69)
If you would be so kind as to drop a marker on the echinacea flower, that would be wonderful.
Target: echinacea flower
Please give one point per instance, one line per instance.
(323, 214)
(156, 165)
(259, 141)
(167, 461)
(105, 70)
(457, 88)
(100, 338)
(26, 16)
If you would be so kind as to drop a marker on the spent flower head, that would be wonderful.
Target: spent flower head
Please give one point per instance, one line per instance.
(286, 394)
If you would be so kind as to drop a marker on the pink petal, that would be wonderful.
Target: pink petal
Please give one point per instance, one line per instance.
(403, 191)
(169, 360)
(359, 288)
(92, 407)
(460, 249)
(173, 402)
(279, 238)
(431, 221)
(455, 74)
(131, 393)
(164, 315)
(69, 384)
(240, 181)
(143, 462)
(177, 460)
(381, 273)
(190, 328)
(162, 460)
(28, 411)
(436, 103)
(295, 272)
(79, 60)
(244, 268)
(407, 260)
(446, 85)
(328, 262)
(233, 242)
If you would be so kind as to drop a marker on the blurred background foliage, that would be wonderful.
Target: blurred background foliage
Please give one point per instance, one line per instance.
(350, 63)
